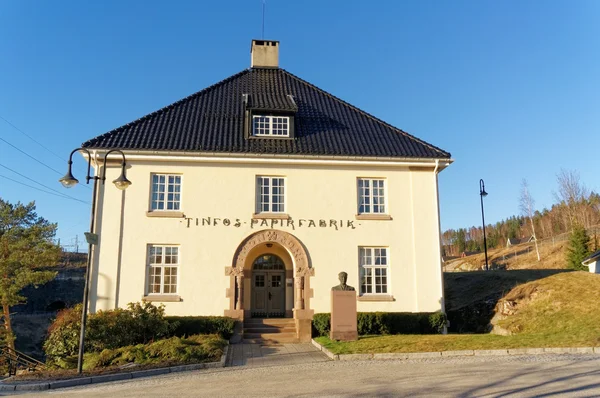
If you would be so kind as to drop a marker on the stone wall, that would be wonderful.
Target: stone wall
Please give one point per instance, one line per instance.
(31, 320)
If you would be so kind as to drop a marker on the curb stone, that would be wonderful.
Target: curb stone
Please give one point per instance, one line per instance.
(491, 352)
(392, 355)
(355, 357)
(70, 383)
(415, 355)
(457, 353)
(112, 377)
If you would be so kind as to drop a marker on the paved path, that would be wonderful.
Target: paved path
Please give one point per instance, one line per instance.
(515, 376)
(256, 355)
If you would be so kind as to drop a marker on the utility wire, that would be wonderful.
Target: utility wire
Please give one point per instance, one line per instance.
(31, 138)
(28, 155)
(39, 183)
(43, 190)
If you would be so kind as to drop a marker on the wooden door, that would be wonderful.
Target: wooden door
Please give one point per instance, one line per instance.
(259, 293)
(276, 303)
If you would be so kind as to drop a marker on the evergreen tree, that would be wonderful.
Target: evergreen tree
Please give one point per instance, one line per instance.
(25, 245)
(578, 248)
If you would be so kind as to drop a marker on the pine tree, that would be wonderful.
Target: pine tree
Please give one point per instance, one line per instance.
(25, 246)
(578, 248)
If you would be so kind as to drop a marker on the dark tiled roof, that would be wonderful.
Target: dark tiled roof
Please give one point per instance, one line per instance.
(212, 120)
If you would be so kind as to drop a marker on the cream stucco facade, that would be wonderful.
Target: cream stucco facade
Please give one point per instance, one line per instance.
(217, 215)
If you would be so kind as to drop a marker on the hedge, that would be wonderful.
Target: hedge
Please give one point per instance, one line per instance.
(173, 350)
(139, 323)
(387, 323)
(190, 325)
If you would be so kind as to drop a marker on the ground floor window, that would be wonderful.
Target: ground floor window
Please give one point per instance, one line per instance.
(374, 266)
(163, 264)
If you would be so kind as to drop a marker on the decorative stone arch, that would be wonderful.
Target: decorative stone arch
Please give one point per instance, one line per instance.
(302, 268)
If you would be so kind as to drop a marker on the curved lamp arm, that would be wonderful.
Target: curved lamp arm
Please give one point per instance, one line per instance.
(482, 191)
(122, 182)
(69, 181)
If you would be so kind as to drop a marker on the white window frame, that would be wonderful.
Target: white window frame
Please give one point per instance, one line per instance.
(367, 260)
(268, 129)
(260, 194)
(369, 208)
(162, 265)
(176, 204)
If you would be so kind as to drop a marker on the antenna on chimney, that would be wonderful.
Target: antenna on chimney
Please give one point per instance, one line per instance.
(263, 21)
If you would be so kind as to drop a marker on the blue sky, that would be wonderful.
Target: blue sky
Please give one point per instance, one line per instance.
(510, 88)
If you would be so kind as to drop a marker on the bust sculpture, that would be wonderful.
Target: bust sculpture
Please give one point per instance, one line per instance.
(343, 277)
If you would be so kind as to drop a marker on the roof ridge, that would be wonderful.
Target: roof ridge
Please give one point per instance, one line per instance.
(165, 108)
(367, 114)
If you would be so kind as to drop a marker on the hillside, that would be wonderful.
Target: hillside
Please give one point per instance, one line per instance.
(471, 297)
(561, 307)
(523, 256)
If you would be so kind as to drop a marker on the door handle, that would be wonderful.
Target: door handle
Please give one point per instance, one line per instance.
(269, 295)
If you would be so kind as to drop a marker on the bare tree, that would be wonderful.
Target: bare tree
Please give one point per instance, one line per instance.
(573, 194)
(526, 204)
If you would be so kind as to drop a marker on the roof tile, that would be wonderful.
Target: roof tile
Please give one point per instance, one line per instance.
(212, 120)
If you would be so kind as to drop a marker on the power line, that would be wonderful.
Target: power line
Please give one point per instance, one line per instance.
(31, 138)
(39, 183)
(28, 155)
(43, 190)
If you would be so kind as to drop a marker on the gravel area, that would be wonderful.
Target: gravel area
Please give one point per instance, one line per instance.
(527, 375)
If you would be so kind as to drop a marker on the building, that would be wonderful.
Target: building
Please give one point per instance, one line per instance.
(517, 241)
(250, 196)
(593, 262)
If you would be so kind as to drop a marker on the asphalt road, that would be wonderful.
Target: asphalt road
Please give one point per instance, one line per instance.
(526, 376)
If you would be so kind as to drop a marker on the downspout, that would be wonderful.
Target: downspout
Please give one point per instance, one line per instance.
(437, 196)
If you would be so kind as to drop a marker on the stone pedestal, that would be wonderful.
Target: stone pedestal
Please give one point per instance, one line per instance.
(343, 316)
(303, 320)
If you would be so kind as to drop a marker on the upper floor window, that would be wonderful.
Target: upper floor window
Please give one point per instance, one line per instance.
(374, 265)
(270, 194)
(166, 192)
(371, 196)
(163, 264)
(278, 126)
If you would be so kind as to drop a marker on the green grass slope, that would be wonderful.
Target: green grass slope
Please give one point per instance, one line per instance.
(560, 310)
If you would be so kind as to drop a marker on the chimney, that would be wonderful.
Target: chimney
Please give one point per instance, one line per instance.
(264, 54)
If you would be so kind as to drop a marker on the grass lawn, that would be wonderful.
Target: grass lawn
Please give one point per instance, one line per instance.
(561, 310)
(450, 342)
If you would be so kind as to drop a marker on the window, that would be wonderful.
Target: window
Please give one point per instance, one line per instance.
(278, 126)
(373, 270)
(163, 262)
(166, 192)
(271, 194)
(371, 196)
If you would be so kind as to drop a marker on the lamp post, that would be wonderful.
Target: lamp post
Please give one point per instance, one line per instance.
(69, 181)
(483, 193)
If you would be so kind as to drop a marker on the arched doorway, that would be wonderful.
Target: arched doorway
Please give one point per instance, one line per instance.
(268, 287)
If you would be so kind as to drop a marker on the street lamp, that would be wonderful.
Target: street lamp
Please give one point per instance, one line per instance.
(69, 181)
(483, 193)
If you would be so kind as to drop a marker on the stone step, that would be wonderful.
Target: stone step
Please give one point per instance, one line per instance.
(268, 329)
(272, 337)
(269, 338)
(270, 322)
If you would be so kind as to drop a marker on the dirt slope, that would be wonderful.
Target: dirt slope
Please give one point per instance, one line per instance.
(552, 256)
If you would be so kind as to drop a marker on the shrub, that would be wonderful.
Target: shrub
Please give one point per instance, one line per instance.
(63, 337)
(191, 325)
(138, 324)
(321, 325)
(387, 323)
(197, 348)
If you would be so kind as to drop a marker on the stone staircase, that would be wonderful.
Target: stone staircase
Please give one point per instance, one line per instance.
(269, 330)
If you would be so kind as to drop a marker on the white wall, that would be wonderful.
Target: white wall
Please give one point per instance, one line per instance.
(228, 191)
